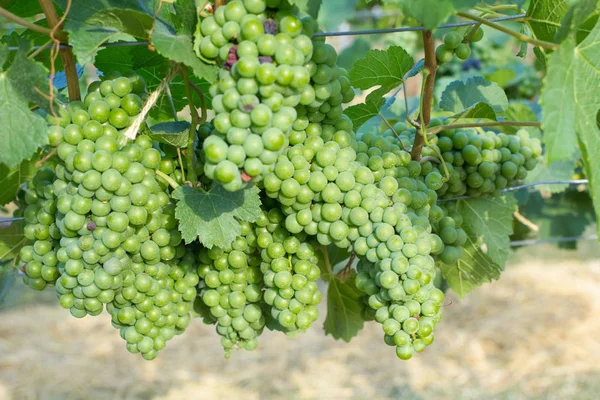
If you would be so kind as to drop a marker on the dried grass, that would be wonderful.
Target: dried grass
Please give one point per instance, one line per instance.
(533, 334)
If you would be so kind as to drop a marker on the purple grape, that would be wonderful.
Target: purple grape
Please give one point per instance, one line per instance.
(271, 27)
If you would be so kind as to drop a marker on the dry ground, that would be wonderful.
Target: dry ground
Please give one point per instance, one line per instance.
(533, 334)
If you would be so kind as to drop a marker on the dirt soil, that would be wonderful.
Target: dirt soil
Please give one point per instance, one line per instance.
(533, 334)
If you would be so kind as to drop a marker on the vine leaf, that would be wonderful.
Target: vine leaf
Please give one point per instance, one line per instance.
(429, 13)
(338, 258)
(4, 53)
(213, 217)
(8, 277)
(522, 112)
(361, 113)
(571, 109)
(566, 214)
(22, 132)
(92, 24)
(386, 69)
(11, 240)
(461, 95)
(553, 20)
(175, 133)
(175, 43)
(22, 8)
(12, 178)
(311, 7)
(586, 63)
(344, 319)
(29, 78)
(557, 170)
(477, 111)
(152, 67)
(381, 68)
(545, 17)
(488, 224)
(115, 58)
(559, 105)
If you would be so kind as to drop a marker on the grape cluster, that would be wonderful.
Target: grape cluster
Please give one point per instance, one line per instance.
(102, 223)
(466, 162)
(231, 290)
(114, 235)
(454, 45)
(273, 74)
(40, 257)
(289, 267)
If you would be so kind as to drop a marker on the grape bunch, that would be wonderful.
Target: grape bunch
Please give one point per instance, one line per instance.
(455, 45)
(231, 290)
(289, 267)
(273, 73)
(465, 162)
(103, 228)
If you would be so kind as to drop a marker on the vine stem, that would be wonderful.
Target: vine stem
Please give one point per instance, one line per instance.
(66, 54)
(31, 26)
(167, 178)
(219, 3)
(427, 97)
(191, 157)
(384, 119)
(202, 102)
(520, 36)
(326, 257)
(440, 128)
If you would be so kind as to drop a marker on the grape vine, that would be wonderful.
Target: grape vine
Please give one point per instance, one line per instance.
(235, 216)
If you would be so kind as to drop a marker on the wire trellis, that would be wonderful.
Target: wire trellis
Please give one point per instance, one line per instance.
(321, 34)
(570, 182)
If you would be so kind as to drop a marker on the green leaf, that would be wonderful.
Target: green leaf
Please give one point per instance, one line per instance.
(566, 214)
(477, 111)
(12, 178)
(488, 224)
(153, 67)
(11, 240)
(501, 76)
(586, 79)
(311, 7)
(344, 319)
(557, 170)
(28, 78)
(545, 17)
(117, 58)
(578, 12)
(4, 53)
(213, 216)
(22, 8)
(558, 100)
(22, 132)
(381, 68)
(521, 112)
(175, 133)
(429, 13)
(540, 59)
(179, 48)
(204, 311)
(361, 113)
(8, 276)
(460, 95)
(92, 24)
(338, 258)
